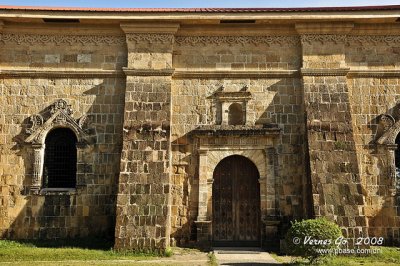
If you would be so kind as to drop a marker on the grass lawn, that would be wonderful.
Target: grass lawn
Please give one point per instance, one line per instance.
(389, 256)
(74, 250)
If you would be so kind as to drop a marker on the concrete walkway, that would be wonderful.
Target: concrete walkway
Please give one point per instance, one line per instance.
(243, 256)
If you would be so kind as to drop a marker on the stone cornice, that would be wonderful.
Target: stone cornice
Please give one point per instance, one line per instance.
(237, 30)
(374, 73)
(49, 73)
(324, 71)
(312, 28)
(61, 39)
(376, 29)
(150, 28)
(235, 74)
(148, 72)
(234, 40)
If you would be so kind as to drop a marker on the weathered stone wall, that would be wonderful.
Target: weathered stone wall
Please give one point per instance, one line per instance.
(335, 176)
(276, 100)
(373, 95)
(237, 52)
(370, 98)
(325, 86)
(31, 56)
(143, 205)
(63, 48)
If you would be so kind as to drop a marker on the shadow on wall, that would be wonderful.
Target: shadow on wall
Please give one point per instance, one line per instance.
(90, 211)
(379, 189)
(286, 110)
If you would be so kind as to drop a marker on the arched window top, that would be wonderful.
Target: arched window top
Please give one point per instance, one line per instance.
(60, 159)
(235, 115)
(59, 133)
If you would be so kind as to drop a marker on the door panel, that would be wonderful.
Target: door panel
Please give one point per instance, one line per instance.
(236, 202)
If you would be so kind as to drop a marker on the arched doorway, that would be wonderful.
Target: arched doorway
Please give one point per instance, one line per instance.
(236, 203)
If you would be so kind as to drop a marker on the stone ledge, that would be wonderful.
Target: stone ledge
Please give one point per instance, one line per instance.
(235, 74)
(374, 73)
(48, 73)
(58, 191)
(148, 72)
(324, 71)
(241, 130)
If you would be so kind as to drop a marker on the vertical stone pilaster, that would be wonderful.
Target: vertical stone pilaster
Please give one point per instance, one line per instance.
(143, 201)
(203, 190)
(80, 175)
(393, 182)
(38, 155)
(203, 222)
(272, 185)
(335, 174)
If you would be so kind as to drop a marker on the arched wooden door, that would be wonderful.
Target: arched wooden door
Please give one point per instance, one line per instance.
(236, 203)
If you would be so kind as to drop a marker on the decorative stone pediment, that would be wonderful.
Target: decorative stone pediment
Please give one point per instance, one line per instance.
(58, 115)
(233, 96)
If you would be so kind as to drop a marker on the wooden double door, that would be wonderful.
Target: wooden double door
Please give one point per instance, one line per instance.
(236, 203)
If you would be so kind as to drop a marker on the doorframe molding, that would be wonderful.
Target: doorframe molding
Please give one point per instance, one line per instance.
(262, 153)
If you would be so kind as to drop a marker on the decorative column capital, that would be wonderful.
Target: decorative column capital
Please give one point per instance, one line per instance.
(37, 146)
(202, 152)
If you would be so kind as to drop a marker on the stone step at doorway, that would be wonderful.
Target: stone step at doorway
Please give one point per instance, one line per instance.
(243, 256)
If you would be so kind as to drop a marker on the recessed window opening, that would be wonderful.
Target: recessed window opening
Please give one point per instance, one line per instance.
(60, 159)
(235, 115)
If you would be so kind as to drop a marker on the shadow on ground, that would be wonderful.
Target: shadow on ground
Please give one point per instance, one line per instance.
(85, 243)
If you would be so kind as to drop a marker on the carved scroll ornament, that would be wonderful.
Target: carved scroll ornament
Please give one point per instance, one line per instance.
(58, 115)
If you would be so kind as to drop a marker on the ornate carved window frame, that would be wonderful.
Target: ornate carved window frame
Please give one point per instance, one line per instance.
(387, 141)
(59, 115)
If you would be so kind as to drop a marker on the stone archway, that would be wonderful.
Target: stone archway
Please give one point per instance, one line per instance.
(236, 203)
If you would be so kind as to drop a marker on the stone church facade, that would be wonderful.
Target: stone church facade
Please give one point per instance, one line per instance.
(205, 126)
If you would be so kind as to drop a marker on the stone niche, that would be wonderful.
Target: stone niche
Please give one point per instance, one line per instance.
(256, 143)
(232, 106)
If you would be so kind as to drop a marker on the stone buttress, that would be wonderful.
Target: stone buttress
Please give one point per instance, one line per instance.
(143, 207)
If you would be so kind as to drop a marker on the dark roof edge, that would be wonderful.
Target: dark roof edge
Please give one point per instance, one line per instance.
(203, 10)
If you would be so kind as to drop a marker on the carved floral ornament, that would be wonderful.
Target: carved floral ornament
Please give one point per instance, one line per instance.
(61, 39)
(235, 40)
(349, 39)
(58, 115)
(150, 38)
(391, 128)
(323, 38)
(58, 39)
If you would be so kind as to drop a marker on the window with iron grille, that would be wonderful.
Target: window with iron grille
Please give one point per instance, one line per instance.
(60, 159)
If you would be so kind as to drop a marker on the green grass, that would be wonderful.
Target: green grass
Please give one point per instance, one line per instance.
(388, 257)
(212, 260)
(12, 251)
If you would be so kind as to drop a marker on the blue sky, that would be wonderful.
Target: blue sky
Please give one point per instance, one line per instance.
(197, 3)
